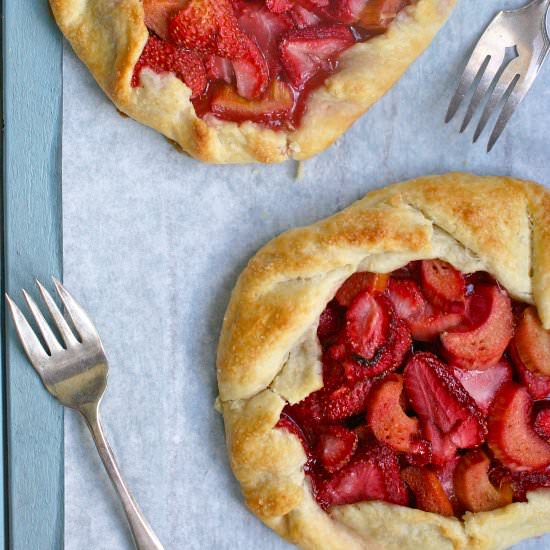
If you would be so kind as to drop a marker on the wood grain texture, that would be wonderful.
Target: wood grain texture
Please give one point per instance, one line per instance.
(32, 114)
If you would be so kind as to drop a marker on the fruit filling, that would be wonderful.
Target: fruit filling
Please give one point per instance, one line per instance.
(436, 394)
(256, 60)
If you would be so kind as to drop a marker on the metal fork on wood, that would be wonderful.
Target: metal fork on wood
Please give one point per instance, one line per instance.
(503, 66)
(76, 375)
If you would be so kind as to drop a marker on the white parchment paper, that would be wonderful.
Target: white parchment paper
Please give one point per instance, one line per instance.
(154, 241)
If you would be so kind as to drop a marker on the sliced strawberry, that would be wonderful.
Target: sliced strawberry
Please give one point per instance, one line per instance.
(373, 474)
(443, 285)
(538, 385)
(387, 419)
(542, 422)
(473, 488)
(367, 324)
(305, 52)
(438, 397)
(445, 474)
(266, 29)
(429, 493)
(524, 482)
(330, 322)
(252, 76)
(427, 326)
(304, 18)
(406, 298)
(378, 14)
(288, 424)
(279, 6)
(483, 385)
(335, 447)
(219, 68)
(207, 27)
(490, 313)
(443, 450)
(358, 283)
(309, 411)
(346, 401)
(161, 57)
(276, 105)
(532, 342)
(159, 12)
(511, 436)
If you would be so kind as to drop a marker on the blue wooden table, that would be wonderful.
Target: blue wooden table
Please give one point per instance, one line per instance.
(32, 423)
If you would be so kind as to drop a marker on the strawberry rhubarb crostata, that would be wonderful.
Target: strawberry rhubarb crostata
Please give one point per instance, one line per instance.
(248, 80)
(384, 374)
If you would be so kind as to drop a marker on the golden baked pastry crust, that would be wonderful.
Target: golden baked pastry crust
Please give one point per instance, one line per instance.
(497, 224)
(109, 37)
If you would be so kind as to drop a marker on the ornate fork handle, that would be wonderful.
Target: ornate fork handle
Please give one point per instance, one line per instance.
(144, 537)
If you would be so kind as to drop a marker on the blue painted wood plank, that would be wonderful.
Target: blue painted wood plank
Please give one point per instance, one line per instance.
(32, 50)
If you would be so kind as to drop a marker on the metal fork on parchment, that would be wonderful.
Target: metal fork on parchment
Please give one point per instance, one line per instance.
(502, 67)
(76, 375)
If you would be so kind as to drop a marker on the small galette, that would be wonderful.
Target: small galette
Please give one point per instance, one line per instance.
(384, 374)
(249, 80)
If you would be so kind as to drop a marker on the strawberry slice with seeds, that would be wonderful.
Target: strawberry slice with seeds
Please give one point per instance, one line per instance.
(330, 321)
(159, 12)
(388, 420)
(367, 324)
(371, 475)
(161, 57)
(483, 385)
(428, 491)
(275, 106)
(358, 283)
(443, 285)
(538, 385)
(207, 27)
(482, 344)
(279, 6)
(346, 401)
(438, 398)
(306, 52)
(474, 490)
(335, 447)
(406, 298)
(512, 437)
(532, 342)
(443, 450)
(542, 421)
(377, 15)
(252, 74)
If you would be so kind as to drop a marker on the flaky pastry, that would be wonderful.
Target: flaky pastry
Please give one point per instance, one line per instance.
(109, 38)
(269, 354)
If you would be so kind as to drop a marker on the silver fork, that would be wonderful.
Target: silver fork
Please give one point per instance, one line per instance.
(504, 82)
(76, 375)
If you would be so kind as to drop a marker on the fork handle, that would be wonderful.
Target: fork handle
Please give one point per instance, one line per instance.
(144, 537)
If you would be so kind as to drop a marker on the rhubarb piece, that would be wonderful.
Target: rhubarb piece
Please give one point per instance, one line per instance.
(330, 321)
(443, 285)
(473, 488)
(305, 52)
(483, 385)
(373, 474)
(378, 14)
(538, 385)
(428, 491)
(276, 105)
(335, 447)
(161, 57)
(512, 438)
(159, 12)
(542, 423)
(389, 422)
(347, 401)
(532, 342)
(490, 313)
(367, 324)
(438, 397)
(358, 283)
(427, 326)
